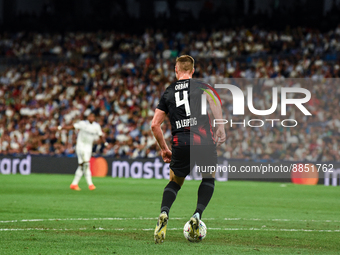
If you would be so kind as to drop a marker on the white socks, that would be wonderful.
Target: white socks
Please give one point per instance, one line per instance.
(78, 175)
(85, 169)
(87, 173)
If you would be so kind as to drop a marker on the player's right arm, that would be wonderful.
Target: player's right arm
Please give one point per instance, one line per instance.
(76, 125)
(69, 127)
(157, 120)
(216, 109)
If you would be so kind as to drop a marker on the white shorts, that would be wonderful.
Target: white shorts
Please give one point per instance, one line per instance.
(83, 155)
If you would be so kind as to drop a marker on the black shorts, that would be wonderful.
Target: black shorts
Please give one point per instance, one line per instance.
(185, 157)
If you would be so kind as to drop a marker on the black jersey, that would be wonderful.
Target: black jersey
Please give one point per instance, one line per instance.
(182, 102)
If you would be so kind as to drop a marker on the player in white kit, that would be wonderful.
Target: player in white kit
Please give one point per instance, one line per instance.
(89, 131)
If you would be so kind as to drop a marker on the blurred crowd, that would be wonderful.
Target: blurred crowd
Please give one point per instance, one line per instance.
(121, 78)
(298, 43)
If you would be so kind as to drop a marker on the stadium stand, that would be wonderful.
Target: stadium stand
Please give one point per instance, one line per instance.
(59, 78)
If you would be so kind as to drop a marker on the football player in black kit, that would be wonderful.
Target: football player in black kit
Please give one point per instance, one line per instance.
(193, 141)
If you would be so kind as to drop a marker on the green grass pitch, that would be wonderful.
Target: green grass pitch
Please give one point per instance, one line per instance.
(39, 214)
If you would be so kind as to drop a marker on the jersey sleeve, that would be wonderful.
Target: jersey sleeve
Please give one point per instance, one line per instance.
(162, 105)
(100, 132)
(78, 125)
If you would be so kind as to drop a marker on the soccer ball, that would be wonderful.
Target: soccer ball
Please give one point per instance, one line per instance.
(202, 229)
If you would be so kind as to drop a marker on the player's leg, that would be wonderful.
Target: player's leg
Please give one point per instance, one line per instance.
(204, 157)
(79, 172)
(205, 192)
(169, 196)
(179, 169)
(87, 171)
(170, 191)
(77, 177)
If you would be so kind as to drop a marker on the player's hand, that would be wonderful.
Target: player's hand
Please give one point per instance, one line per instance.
(220, 136)
(166, 155)
(53, 128)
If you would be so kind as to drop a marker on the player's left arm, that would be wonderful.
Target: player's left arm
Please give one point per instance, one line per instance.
(102, 137)
(157, 120)
(216, 108)
(103, 140)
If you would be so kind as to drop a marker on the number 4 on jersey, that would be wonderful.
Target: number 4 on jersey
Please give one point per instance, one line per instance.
(184, 101)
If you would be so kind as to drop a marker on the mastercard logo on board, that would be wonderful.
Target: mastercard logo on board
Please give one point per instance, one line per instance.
(98, 167)
(305, 174)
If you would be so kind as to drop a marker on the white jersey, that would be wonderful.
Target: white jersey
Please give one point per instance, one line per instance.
(88, 133)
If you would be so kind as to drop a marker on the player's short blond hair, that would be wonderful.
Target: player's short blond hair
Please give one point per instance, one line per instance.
(185, 63)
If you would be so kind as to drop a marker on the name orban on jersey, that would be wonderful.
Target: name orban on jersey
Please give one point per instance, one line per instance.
(183, 85)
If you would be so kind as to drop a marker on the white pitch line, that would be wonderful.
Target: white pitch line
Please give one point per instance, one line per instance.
(255, 219)
(77, 219)
(182, 218)
(89, 219)
(151, 229)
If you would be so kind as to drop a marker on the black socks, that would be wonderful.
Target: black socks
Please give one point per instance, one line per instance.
(169, 196)
(205, 192)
